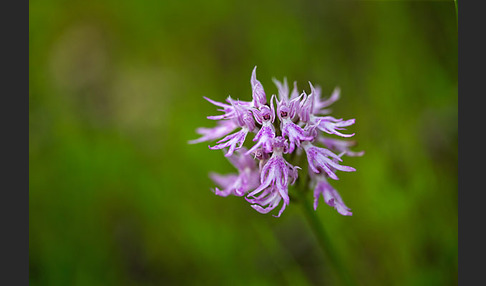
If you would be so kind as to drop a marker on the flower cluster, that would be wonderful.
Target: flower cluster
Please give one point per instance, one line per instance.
(264, 175)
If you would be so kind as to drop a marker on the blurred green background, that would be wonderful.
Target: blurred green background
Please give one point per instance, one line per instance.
(118, 197)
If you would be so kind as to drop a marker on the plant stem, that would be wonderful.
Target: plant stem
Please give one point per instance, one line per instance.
(324, 240)
(457, 14)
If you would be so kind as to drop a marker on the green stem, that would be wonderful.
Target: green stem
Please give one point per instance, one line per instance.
(457, 14)
(324, 240)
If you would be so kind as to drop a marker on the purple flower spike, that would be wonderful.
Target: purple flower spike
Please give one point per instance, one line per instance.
(259, 97)
(318, 159)
(264, 176)
(331, 197)
(238, 185)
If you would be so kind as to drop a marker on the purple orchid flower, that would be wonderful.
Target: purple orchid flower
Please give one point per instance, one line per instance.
(306, 106)
(295, 92)
(270, 198)
(274, 178)
(311, 106)
(321, 104)
(332, 125)
(320, 159)
(283, 89)
(331, 197)
(264, 176)
(228, 109)
(258, 94)
(265, 116)
(238, 184)
(286, 111)
(235, 141)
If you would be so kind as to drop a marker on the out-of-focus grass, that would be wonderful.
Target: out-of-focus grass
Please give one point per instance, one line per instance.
(117, 196)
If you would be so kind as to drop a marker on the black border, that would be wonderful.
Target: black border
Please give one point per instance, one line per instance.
(14, 210)
(471, 172)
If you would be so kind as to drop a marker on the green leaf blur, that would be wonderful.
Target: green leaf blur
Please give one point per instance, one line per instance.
(118, 197)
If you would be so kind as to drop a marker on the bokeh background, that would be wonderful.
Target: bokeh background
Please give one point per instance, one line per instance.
(118, 197)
